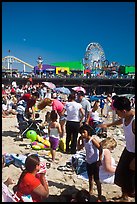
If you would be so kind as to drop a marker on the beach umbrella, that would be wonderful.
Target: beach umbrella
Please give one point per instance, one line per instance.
(63, 90)
(50, 85)
(79, 88)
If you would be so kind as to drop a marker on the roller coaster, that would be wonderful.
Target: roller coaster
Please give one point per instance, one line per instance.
(11, 59)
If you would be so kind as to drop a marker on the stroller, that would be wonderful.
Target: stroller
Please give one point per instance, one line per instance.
(29, 124)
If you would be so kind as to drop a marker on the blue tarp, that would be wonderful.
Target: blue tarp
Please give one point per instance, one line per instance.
(97, 97)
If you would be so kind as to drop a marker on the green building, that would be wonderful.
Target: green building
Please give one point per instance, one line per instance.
(127, 69)
(73, 66)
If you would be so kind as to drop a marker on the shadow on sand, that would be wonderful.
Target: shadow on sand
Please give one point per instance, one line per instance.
(67, 194)
(9, 133)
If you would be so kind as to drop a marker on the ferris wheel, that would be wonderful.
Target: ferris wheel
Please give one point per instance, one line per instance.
(94, 56)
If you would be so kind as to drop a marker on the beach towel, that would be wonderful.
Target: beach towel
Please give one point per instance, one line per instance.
(79, 163)
(19, 160)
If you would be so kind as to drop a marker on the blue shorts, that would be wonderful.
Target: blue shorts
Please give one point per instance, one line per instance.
(102, 105)
(63, 117)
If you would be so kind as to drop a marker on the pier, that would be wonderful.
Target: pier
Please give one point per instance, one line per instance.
(120, 86)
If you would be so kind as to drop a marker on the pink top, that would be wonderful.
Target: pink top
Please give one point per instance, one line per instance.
(57, 105)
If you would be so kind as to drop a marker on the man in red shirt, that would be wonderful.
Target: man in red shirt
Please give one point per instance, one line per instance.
(30, 99)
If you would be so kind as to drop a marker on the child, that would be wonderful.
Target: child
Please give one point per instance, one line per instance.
(21, 107)
(124, 176)
(93, 156)
(54, 131)
(47, 117)
(108, 167)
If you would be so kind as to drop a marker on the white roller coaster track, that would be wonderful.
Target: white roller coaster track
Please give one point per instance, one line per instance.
(15, 58)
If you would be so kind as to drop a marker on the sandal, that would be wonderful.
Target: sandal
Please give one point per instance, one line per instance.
(63, 168)
(19, 138)
(120, 199)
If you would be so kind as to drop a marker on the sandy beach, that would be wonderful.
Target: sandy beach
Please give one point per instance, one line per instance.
(61, 183)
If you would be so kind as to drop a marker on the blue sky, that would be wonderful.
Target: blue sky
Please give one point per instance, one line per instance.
(61, 31)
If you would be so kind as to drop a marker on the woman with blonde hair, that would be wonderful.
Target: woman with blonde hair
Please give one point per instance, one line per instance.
(109, 143)
(108, 167)
(43, 103)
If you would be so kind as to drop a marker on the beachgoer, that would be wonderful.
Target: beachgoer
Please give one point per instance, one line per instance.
(85, 105)
(58, 107)
(30, 182)
(108, 167)
(19, 92)
(125, 172)
(75, 115)
(13, 91)
(113, 109)
(47, 117)
(102, 104)
(21, 108)
(48, 94)
(7, 107)
(25, 103)
(95, 120)
(30, 99)
(93, 157)
(54, 132)
(94, 114)
(30, 80)
(108, 105)
(3, 90)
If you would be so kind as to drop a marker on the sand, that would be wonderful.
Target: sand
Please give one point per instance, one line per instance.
(61, 183)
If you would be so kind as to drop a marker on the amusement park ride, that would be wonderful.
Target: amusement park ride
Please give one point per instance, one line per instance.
(94, 57)
(11, 59)
(94, 61)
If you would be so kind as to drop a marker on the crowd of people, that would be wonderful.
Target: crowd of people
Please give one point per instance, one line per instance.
(70, 116)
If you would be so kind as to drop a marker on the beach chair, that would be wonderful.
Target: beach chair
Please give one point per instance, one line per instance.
(7, 195)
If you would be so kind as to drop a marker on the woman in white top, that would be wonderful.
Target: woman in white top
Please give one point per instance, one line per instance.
(108, 167)
(54, 132)
(94, 114)
(75, 115)
(95, 120)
